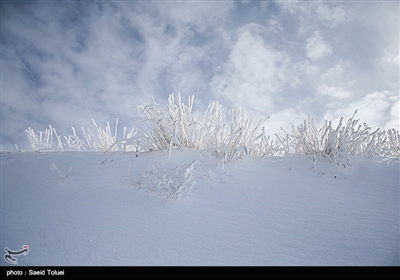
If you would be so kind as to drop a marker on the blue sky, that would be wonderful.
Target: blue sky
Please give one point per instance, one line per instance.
(65, 62)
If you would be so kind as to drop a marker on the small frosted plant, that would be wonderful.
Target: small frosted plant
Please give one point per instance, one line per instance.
(63, 175)
(169, 185)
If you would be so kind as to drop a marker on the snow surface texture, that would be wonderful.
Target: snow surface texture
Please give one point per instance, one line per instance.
(91, 208)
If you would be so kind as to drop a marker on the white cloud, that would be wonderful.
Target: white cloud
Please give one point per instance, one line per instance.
(335, 92)
(198, 13)
(376, 109)
(304, 71)
(316, 15)
(333, 73)
(317, 47)
(284, 119)
(394, 119)
(64, 63)
(254, 73)
(273, 25)
(390, 55)
(332, 15)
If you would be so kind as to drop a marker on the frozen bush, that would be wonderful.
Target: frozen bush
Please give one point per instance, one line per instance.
(43, 140)
(180, 126)
(163, 129)
(63, 175)
(169, 185)
(337, 144)
(227, 136)
(103, 140)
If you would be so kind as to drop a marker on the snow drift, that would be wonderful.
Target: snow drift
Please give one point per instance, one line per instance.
(185, 188)
(271, 211)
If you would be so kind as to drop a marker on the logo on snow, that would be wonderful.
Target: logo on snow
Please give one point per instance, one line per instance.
(9, 256)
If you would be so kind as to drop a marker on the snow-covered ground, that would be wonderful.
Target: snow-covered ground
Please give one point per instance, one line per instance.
(91, 208)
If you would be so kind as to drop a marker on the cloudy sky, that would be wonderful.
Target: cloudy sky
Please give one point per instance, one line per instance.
(65, 62)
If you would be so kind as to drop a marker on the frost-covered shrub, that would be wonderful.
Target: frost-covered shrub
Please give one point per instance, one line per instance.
(228, 136)
(169, 185)
(63, 175)
(103, 140)
(235, 139)
(174, 126)
(43, 140)
(179, 126)
(392, 146)
(337, 144)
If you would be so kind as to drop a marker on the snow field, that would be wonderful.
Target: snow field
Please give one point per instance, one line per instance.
(258, 211)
